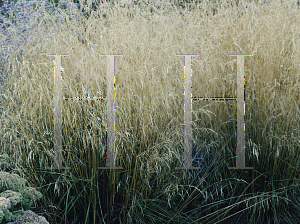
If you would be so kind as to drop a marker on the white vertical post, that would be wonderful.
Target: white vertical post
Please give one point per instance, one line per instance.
(110, 99)
(57, 113)
(188, 113)
(240, 149)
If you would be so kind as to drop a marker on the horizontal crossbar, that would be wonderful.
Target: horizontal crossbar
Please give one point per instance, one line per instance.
(103, 98)
(214, 98)
(84, 98)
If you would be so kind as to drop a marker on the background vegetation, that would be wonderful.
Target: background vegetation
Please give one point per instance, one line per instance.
(149, 110)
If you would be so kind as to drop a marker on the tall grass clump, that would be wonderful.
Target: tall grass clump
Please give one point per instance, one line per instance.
(149, 110)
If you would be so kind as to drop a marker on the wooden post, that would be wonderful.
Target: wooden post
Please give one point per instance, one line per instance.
(188, 113)
(57, 113)
(110, 99)
(240, 150)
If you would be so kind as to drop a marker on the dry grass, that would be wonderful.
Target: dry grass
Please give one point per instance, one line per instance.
(150, 117)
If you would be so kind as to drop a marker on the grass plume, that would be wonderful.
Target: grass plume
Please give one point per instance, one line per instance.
(150, 117)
